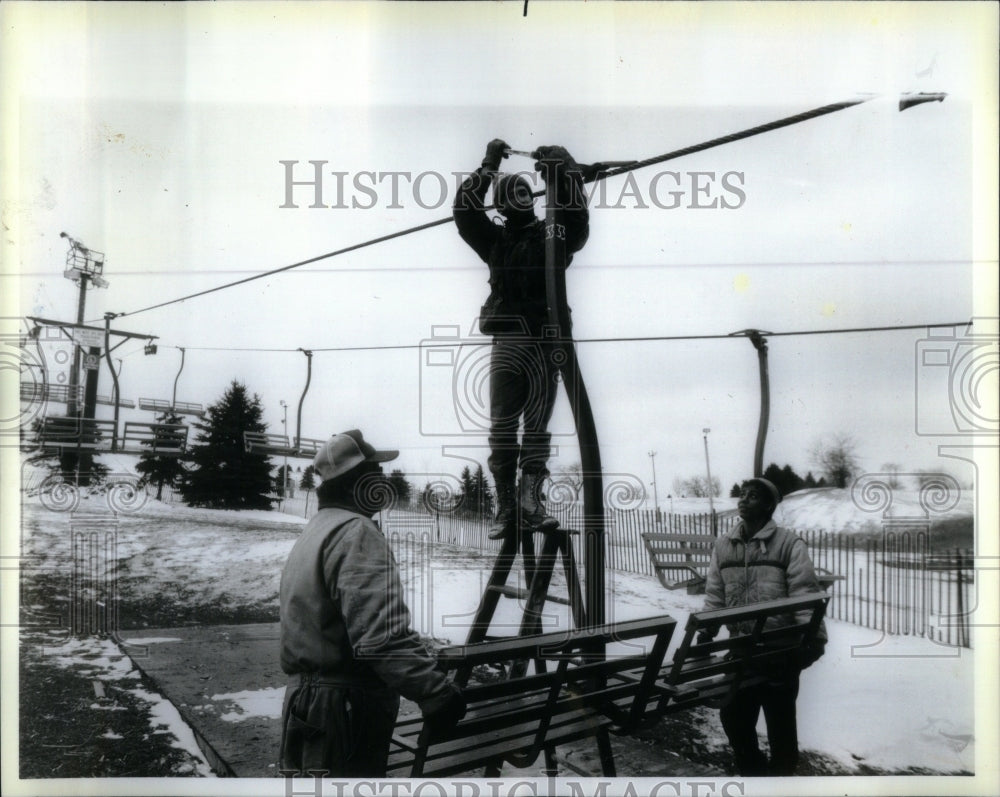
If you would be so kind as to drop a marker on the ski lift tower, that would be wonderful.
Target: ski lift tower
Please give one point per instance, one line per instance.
(85, 267)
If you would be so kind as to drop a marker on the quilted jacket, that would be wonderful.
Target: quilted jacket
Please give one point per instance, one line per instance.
(773, 564)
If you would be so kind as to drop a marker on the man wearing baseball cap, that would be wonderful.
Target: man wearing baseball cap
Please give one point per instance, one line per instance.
(759, 561)
(346, 641)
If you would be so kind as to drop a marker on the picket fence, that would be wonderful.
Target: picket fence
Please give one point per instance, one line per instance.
(894, 583)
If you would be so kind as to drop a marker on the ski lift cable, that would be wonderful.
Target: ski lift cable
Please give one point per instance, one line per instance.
(597, 172)
(632, 339)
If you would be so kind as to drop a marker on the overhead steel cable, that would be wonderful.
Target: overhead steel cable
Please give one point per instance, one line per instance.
(598, 174)
(633, 339)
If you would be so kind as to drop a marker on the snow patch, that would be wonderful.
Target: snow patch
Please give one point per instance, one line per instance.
(164, 718)
(253, 703)
(152, 640)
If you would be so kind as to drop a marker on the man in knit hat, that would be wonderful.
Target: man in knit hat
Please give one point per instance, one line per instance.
(522, 374)
(759, 561)
(346, 641)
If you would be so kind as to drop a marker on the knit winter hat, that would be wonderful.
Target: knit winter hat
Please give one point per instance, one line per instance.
(774, 492)
(503, 194)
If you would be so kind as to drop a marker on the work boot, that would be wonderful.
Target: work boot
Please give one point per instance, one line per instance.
(533, 514)
(505, 522)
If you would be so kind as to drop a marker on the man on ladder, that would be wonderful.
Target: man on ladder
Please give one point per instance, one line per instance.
(523, 376)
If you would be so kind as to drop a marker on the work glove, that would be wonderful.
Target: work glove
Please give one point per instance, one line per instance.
(444, 712)
(809, 654)
(496, 151)
(564, 161)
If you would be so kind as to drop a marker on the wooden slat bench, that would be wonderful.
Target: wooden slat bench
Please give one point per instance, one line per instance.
(587, 696)
(706, 673)
(279, 445)
(60, 433)
(158, 439)
(680, 560)
(267, 443)
(517, 719)
(179, 408)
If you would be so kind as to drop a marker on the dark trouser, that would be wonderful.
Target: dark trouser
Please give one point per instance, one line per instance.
(739, 718)
(522, 385)
(342, 730)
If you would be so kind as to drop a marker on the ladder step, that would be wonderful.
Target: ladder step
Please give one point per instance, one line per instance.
(561, 530)
(518, 592)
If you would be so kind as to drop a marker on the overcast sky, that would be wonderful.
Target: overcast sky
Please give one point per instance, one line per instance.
(155, 135)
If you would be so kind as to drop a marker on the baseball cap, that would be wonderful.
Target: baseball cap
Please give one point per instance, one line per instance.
(344, 452)
(767, 485)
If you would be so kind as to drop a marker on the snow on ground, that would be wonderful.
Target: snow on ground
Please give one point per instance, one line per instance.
(868, 701)
(890, 703)
(102, 659)
(834, 509)
(252, 703)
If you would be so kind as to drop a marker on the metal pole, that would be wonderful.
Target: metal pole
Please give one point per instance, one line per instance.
(298, 419)
(284, 467)
(708, 470)
(74, 375)
(656, 499)
(114, 377)
(173, 401)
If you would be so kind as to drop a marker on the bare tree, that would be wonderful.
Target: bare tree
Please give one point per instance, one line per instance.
(837, 458)
(697, 487)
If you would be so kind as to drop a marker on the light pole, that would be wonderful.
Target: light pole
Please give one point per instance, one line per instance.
(656, 499)
(708, 470)
(284, 467)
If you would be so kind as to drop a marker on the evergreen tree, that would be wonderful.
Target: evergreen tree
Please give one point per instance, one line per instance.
(785, 479)
(791, 480)
(483, 496)
(224, 475)
(735, 492)
(468, 503)
(774, 475)
(308, 480)
(157, 469)
(401, 488)
(283, 480)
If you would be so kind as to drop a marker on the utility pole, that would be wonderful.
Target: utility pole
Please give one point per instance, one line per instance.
(85, 267)
(708, 470)
(656, 499)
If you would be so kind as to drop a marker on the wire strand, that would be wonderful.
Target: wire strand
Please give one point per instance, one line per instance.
(632, 339)
(715, 142)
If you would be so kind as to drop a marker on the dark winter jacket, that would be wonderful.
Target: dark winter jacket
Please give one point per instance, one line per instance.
(516, 254)
(343, 614)
(773, 564)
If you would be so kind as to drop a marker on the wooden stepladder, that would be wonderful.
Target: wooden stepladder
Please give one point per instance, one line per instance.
(538, 570)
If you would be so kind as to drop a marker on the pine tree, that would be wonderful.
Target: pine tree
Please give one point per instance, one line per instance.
(468, 490)
(161, 470)
(735, 491)
(401, 488)
(224, 474)
(308, 480)
(283, 479)
(483, 496)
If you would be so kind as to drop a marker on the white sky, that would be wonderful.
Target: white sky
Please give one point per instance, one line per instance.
(154, 134)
